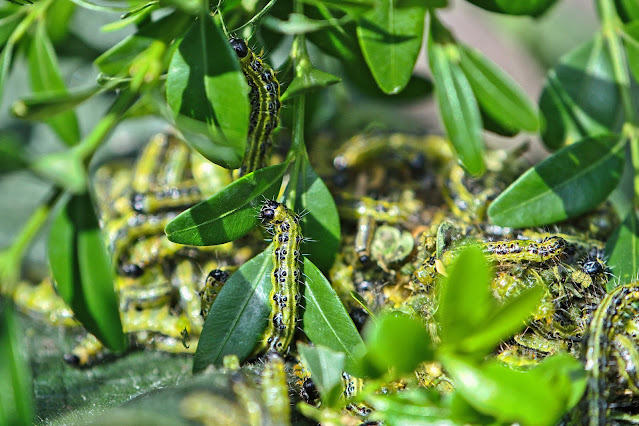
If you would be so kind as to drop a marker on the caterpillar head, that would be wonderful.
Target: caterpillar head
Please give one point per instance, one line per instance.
(269, 211)
(240, 47)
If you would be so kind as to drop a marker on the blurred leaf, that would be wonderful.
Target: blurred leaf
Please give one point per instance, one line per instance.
(83, 271)
(46, 77)
(5, 64)
(397, 341)
(321, 224)
(134, 17)
(580, 97)
(499, 96)
(631, 44)
(571, 182)
(622, 250)
(229, 214)
(296, 24)
(390, 38)
(326, 368)
(325, 320)
(16, 406)
(457, 106)
(193, 7)
(66, 169)
(566, 374)
(13, 155)
(628, 10)
(510, 395)
(59, 15)
(239, 314)
(208, 95)
(351, 7)
(515, 7)
(409, 407)
(7, 25)
(313, 80)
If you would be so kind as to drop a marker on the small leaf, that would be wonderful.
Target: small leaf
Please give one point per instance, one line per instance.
(326, 368)
(239, 314)
(16, 406)
(515, 7)
(321, 224)
(314, 79)
(498, 96)
(458, 108)
(65, 169)
(46, 105)
(46, 77)
(208, 94)
(133, 17)
(572, 181)
(409, 407)
(83, 271)
(296, 24)
(622, 250)
(390, 38)
(229, 214)
(325, 320)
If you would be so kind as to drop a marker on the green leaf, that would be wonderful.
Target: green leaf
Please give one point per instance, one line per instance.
(208, 95)
(296, 24)
(5, 64)
(13, 155)
(229, 214)
(409, 407)
(16, 406)
(566, 375)
(631, 44)
(510, 396)
(571, 182)
(498, 96)
(326, 368)
(351, 7)
(397, 341)
(312, 80)
(133, 17)
(515, 7)
(65, 169)
(321, 224)
(239, 314)
(59, 15)
(458, 107)
(325, 320)
(117, 59)
(83, 271)
(46, 105)
(580, 97)
(465, 300)
(390, 38)
(628, 10)
(622, 250)
(46, 77)
(7, 25)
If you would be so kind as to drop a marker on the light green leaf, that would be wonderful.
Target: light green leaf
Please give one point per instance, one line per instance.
(622, 250)
(326, 367)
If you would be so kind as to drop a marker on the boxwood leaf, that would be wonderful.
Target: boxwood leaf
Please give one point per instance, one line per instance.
(325, 320)
(312, 80)
(229, 214)
(46, 77)
(622, 250)
(390, 38)
(515, 7)
(208, 95)
(239, 314)
(498, 95)
(572, 181)
(83, 272)
(45, 105)
(326, 367)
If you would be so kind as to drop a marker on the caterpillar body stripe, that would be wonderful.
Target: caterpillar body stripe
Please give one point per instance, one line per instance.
(284, 296)
(518, 250)
(265, 105)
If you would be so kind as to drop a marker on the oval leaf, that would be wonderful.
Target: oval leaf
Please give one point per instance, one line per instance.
(571, 182)
(325, 320)
(83, 272)
(458, 108)
(229, 214)
(239, 314)
(208, 95)
(498, 95)
(390, 38)
(312, 80)
(622, 249)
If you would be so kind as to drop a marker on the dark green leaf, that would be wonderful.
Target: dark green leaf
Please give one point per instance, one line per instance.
(515, 7)
(397, 341)
(65, 169)
(465, 300)
(16, 407)
(580, 97)
(458, 108)
(5, 63)
(571, 182)
(13, 155)
(83, 271)
(229, 214)
(498, 96)
(390, 39)
(622, 250)
(46, 77)
(208, 95)
(118, 59)
(7, 25)
(325, 320)
(321, 224)
(239, 314)
(628, 10)
(508, 395)
(326, 367)
(312, 80)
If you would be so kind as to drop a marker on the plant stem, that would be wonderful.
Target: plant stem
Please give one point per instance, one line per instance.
(257, 17)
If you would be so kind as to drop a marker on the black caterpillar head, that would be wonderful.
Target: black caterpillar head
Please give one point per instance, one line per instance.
(241, 50)
(267, 213)
(218, 275)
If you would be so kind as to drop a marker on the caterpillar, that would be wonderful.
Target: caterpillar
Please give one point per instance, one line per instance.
(214, 282)
(284, 296)
(265, 105)
(518, 250)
